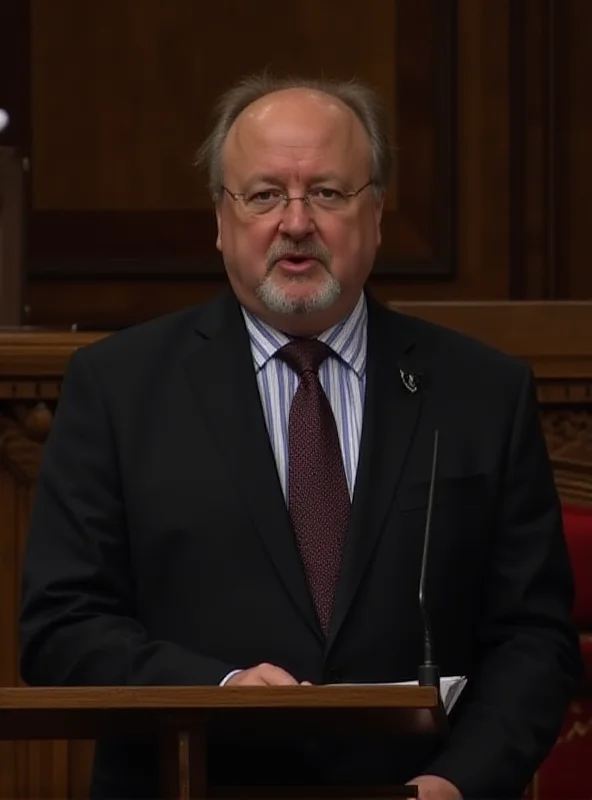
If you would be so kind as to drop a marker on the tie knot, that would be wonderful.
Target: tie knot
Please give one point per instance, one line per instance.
(304, 355)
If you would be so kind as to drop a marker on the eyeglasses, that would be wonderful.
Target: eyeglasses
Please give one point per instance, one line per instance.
(322, 198)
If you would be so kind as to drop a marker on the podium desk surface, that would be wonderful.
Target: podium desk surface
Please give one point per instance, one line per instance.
(154, 698)
(88, 712)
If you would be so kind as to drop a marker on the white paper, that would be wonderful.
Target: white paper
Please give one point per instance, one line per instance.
(450, 689)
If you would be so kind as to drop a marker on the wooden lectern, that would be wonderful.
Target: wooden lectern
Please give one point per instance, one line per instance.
(182, 717)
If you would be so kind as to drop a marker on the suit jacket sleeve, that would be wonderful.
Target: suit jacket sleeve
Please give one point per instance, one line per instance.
(528, 661)
(78, 624)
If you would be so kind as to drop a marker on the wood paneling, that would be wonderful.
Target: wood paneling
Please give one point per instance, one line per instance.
(551, 337)
(443, 68)
(488, 103)
(98, 303)
(14, 148)
(112, 184)
(483, 153)
(573, 163)
(124, 124)
(15, 72)
(533, 125)
(551, 148)
(12, 236)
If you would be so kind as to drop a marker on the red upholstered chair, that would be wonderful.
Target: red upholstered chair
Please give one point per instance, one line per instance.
(567, 772)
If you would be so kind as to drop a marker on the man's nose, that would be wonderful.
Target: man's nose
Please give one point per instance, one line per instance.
(297, 221)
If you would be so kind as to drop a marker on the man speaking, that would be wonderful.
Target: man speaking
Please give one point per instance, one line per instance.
(236, 493)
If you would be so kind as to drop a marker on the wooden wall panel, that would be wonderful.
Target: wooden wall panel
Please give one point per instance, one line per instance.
(532, 218)
(112, 249)
(550, 149)
(14, 148)
(574, 148)
(483, 154)
(113, 139)
(12, 236)
(15, 72)
(124, 124)
(488, 104)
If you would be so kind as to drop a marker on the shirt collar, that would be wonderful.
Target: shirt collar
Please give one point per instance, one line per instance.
(347, 339)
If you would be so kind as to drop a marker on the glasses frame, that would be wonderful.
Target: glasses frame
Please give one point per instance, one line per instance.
(286, 199)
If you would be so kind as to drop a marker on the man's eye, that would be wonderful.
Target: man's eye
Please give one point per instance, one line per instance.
(265, 196)
(326, 193)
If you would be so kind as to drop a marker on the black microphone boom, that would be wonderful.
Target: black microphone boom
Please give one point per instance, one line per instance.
(429, 674)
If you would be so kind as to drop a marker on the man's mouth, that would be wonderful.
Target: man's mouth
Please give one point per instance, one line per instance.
(296, 258)
(295, 263)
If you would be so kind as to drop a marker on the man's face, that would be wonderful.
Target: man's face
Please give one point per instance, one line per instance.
(300, 268)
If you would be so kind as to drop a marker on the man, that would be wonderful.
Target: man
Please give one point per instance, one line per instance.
(236, 493)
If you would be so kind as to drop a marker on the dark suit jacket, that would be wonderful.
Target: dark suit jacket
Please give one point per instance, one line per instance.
(161, 552)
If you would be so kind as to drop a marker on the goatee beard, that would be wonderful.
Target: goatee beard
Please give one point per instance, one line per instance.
(278, 300)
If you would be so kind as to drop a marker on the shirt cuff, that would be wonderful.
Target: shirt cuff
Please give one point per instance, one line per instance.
(230, 675)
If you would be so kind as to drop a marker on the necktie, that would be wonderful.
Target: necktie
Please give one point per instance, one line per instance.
(318, 496)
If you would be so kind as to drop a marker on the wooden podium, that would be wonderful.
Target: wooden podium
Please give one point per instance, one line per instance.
(182, 717)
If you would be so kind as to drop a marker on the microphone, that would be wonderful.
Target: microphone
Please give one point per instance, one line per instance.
(4, 119)
(429, 673)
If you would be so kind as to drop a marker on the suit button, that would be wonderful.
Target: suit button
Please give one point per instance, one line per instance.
(334, 675)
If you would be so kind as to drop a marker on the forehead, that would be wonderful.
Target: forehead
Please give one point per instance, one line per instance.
(296, 131)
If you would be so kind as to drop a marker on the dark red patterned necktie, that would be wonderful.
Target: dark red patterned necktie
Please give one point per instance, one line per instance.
(318, 496)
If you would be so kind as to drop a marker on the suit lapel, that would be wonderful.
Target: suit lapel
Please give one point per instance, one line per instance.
(391, 415)
(221, 372)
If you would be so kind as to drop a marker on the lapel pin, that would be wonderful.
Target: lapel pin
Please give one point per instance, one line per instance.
(409, 381)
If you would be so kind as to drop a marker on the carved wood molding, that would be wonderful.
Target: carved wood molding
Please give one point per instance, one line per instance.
(38, 354)
(29, 389)
(24, 427)
(18, 453)
(568, 433)
(553, 337)
(565, 391)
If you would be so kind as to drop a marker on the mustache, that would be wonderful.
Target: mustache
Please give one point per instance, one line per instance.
(306, 249)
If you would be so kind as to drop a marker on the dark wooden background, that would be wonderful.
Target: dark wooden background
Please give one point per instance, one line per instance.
(489, 107)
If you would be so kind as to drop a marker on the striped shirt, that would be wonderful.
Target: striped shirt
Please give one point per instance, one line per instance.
(343, 377)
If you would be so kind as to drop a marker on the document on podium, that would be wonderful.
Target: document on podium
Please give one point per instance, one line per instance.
(450, 689)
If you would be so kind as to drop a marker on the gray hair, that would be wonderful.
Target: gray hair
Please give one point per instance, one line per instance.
(363, 101)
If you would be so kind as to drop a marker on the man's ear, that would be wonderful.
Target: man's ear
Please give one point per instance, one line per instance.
(379, 208)
(219, 224)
